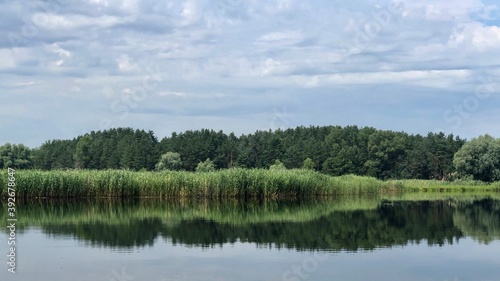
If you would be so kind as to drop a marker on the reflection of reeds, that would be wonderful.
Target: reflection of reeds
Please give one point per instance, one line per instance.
(229, 183)
(349, 223)
(110, 211)
(449, 195)
(443, 186)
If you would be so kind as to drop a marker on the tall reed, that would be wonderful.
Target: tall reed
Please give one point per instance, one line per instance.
(228, 183)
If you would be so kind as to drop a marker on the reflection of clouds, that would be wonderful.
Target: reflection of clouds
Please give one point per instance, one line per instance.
(121, 276)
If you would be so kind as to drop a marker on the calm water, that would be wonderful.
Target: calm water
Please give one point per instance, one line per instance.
(347, 239)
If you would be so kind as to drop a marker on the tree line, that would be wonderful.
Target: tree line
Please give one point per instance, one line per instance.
(332, 150)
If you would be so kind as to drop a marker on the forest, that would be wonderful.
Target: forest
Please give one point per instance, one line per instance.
(332, 150)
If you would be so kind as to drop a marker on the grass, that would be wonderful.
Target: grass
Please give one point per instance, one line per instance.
(443, 186)
(229, 183)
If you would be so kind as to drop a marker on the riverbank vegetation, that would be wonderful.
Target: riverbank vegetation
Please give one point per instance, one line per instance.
(305, 161)
(331, 150)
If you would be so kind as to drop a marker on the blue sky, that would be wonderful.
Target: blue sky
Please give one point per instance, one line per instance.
(67, 68)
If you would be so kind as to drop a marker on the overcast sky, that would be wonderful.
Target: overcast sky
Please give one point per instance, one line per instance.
(70, 67)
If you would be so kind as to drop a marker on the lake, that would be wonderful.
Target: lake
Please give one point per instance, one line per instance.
(337, 239)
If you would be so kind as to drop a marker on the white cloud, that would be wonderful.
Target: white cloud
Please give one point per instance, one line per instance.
(191, 12)
(69, 22)
(172, 93)
(59, 62)
(428, 78)
(60, 51)
(289, 35)
(252, 56)
(443, 10)
(125, 63)
(26, 84)
(272, 66)
(467, 40)
(486, 38)
(126, 91)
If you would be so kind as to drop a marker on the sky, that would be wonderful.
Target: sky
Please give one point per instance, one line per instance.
(419, 66)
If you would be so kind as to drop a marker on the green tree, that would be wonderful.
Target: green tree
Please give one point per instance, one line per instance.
(228, 151)
(55, 154)
(82, 152)
(385, 150)
(15, 156)
(278, 165)
(169, 161)
(479, 159)
(206, 166)
(308, 164)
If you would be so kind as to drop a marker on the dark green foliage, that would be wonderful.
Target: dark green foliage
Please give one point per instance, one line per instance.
(121, 148)
(197, 146)
(15, 156)
(332, 150)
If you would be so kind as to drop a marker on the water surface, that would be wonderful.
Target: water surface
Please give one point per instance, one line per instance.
(343, 239)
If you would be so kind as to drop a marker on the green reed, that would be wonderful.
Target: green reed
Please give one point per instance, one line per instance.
(228, 183)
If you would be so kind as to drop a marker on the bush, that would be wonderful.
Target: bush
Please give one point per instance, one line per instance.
(308, 164)
(169, 161)
(206, 166)
(278, 165)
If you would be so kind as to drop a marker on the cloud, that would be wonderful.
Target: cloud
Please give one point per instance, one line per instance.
(125, 63)
(26, 84)
(227, 61)
(281, 36)
(175, 94)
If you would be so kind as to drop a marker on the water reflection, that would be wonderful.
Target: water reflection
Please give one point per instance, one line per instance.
(333, 225)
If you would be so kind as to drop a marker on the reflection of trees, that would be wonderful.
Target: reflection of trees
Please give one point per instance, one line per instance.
(134, 233)
(345, 230)
(297, 225)
(480, 220)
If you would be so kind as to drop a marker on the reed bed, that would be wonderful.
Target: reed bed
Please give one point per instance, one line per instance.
(443, 186)
(228, 183)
